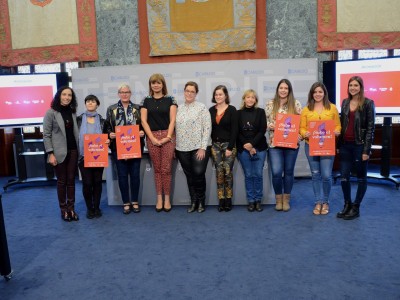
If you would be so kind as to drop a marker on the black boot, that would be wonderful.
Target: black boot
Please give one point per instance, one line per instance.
(202, 206)
(193, 207)
(228, 204)
(259, 206)
(353, 213)
(346, 209)
(251, 207)
(221, 205)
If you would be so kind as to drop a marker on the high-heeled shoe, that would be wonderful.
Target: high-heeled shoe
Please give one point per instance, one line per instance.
(73, 215)
(159, 209)
(65, 216)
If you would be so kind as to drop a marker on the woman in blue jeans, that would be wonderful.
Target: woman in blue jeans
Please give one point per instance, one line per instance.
(124, 112)
(319, 108)
(252, 148)
(358, 126)
(282, 160)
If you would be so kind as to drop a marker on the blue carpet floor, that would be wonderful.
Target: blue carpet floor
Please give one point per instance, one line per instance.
(176, 255)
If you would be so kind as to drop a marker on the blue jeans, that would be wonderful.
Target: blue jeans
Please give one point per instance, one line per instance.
(321, 175)
(282, 162)
(351, 154)
(253, 174)
(131, 168)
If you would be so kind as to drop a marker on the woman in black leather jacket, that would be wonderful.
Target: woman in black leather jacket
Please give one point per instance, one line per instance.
(358, 124)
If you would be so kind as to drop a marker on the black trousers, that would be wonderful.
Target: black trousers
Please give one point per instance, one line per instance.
(195, 171)
(91, 185)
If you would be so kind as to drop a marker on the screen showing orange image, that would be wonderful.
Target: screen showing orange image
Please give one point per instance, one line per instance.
(286, 131)
(128, 142)
(95, 150)
(322, 139)
(382, 87)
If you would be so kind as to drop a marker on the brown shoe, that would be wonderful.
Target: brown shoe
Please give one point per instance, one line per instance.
(325, 209)
(317, 209)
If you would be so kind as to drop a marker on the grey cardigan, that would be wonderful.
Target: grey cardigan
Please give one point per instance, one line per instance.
(54, 136)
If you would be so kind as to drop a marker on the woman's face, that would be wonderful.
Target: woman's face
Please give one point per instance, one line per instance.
(66, 97)
(283, 90)
(190, 94)
(124, 94)
(91, 105)
(156, 87)
(318, 94)
(250, 100)
(354, 88)
(219, 96)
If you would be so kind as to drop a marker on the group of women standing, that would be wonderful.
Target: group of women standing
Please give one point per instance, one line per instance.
(193, 133)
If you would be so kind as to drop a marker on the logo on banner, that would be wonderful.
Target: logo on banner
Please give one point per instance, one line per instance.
(41, 3)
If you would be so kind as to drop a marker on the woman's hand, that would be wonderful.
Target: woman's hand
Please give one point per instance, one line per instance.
(228, 153)
(337, 133)
(52, 159)
(307, 134)
(165, 140)
(141, 133)
(155, 142)
(271, 126)
(112, 135)
(107, 142)
(365, 157)
(248, 146)
(200, 154)
(253, 151)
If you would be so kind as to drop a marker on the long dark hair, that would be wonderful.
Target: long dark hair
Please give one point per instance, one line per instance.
(56, 103)
(361, 96)
(325, 100)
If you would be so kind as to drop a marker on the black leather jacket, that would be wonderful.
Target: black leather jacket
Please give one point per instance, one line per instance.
(109, 125)
(364, 124)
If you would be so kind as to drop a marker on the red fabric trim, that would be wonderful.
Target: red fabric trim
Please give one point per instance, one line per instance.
(261, 41)
(86, 50)
(331, 40)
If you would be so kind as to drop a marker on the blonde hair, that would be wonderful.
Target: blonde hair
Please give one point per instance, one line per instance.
(248, 93)
(124, 85)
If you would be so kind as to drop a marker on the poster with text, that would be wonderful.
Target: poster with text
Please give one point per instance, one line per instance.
(128, 141)
(286, 132)
(95, 150)
(322, 138)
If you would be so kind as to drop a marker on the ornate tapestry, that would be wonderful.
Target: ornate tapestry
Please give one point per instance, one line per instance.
(179, 27)
(47, 31)
(354, 24)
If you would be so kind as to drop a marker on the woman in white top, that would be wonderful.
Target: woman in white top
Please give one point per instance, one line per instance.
(193, 132)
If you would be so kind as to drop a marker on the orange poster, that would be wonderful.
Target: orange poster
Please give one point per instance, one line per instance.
(322, 139)
(95, 150)
(128, 141)
(286, 130)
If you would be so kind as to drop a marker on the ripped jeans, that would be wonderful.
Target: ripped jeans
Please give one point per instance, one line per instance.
(351, 155)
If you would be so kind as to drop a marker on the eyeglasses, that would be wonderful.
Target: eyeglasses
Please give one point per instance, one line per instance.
(124, 93)
(190, 92)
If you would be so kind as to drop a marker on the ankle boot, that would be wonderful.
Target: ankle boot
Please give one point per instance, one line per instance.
(193, 206)
(228, 204)
(353, 213)
(285, 202)
(259, 206)
(345, 210)
(221, 205)
(202, 206)
(279, 200)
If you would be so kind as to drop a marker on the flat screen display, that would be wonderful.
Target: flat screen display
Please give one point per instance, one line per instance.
(381, 82)
(25, 98)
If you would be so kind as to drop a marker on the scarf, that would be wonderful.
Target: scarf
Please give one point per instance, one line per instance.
(125, 119)
(83, 130)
